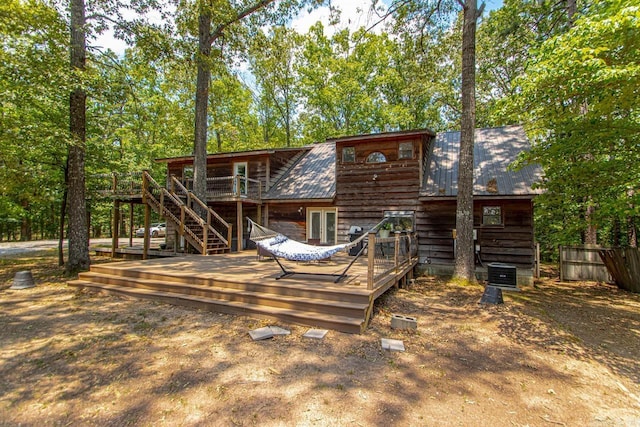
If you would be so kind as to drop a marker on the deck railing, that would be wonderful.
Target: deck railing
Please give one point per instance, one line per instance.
(127, 184)
(215, 223)
(390, 256)
(218, 188)
(170, 206)
(234, 187)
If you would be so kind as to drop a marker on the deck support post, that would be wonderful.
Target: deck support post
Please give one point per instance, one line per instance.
(266, 216)
(239, 225)
(147, 224)
(130, 224)
(115, 232)
(371, 257)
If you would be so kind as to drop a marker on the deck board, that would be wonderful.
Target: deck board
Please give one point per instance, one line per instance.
(242, 283)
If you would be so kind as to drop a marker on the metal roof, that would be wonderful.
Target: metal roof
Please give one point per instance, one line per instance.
(313, 177)
(494, 150)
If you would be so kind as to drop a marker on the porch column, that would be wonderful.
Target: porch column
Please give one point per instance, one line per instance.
(147, 223)
(115, 228)
(131, 224)
(239, 230)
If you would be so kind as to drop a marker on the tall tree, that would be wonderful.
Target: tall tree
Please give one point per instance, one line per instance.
(465, 259)
(208, 34)
(78, 231)
(423, 12)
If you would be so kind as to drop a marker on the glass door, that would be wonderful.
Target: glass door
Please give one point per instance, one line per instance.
(321, 226)
(240, 171)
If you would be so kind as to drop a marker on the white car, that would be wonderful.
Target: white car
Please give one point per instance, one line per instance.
(158, 229)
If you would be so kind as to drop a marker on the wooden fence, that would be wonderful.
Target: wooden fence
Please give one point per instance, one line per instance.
(624, 264)
(583, 263)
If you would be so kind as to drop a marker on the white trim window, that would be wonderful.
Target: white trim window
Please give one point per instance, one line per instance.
(322, 225)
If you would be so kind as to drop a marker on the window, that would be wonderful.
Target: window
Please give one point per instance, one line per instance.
(376, 157)
(348, 154)
(400, 220)
(321, 225)
(405, 150)
(491, 215)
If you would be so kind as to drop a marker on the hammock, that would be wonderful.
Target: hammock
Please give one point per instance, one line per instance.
(280, 246)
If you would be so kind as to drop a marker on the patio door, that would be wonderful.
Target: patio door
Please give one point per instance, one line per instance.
(240, 172)
(321, 225)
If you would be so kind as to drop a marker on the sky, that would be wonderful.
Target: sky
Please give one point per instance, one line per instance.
(355, 13)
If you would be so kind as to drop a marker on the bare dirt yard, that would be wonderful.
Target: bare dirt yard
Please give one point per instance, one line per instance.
(555, 354)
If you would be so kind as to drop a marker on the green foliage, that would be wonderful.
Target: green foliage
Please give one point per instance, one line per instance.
(581, 99)
(33, 116)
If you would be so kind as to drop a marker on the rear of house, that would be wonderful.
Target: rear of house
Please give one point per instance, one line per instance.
(322, 193)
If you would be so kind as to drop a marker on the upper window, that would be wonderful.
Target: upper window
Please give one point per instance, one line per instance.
(491, 215)
(376, 157)
(405, 150)
(348, 154)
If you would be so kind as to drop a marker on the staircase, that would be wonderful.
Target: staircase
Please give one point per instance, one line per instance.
(200, 226)
(327, 307)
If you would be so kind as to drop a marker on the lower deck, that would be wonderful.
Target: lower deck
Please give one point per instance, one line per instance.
(243, 283)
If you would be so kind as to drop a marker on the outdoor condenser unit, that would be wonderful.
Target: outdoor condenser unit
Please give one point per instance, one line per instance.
(502, 275)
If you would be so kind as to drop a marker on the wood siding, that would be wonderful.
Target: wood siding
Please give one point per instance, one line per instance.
(288, 219)
(365, 190)
(510, 243)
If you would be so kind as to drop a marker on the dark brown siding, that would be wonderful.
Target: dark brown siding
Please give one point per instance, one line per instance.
(364, 191)
(511, 243)
(288, 219)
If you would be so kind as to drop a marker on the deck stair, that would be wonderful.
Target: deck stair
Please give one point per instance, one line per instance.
(201, 227)
(314, 305)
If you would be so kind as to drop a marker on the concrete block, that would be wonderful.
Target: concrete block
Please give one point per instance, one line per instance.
(261, 334)
(317, 334)
(391, 345)
(399, 321)
(276, 330)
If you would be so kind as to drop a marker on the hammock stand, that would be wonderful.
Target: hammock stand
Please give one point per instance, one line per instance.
(280, 246)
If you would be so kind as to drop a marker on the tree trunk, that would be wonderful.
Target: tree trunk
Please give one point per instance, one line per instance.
(591, 233)
(78, 233)
(465, 260)
(202, 105)
(632, 233)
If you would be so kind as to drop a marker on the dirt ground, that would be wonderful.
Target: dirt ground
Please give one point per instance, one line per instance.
(555, 354)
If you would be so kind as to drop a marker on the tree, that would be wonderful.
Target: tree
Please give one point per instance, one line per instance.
(77, 210)
(272, 63)
(465, 259)
(424, 12)
(581, 97)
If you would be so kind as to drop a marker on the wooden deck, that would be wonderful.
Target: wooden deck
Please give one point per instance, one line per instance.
(240, 283)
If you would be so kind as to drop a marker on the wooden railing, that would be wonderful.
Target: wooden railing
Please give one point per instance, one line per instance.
(225, 187)
(215, 223)
(117, 184)
(390, 256)
(162, 200)
(234, 187)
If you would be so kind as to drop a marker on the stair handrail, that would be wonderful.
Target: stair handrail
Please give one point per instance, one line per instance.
(191, 198)
(184, 209)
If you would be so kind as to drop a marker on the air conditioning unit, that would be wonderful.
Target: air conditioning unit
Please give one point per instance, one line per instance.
(502, 275)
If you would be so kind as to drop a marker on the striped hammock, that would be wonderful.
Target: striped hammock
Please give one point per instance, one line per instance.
(281, 246)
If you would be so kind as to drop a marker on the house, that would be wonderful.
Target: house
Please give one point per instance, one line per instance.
(320, 192)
